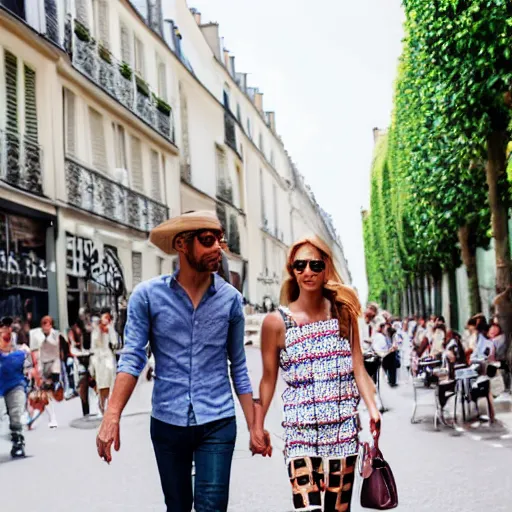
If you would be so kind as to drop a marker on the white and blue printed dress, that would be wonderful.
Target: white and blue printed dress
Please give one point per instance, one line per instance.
(320, 402)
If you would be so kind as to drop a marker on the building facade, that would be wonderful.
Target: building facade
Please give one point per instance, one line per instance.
(115, 115)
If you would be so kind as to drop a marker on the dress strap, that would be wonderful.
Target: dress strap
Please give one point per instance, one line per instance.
(289, 322)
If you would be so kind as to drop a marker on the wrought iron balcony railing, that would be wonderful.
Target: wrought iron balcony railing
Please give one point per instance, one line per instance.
(117, 79)
(91, 191)
(21, 162)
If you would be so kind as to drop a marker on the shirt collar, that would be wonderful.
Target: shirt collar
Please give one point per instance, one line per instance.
(214, 286)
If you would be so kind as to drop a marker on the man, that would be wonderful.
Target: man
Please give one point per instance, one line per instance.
(14, 362)
(367, 326)
(45, 346)
(194, 323)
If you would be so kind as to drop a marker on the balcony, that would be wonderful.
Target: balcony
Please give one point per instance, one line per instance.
(118, 80)
(21, 162)
(93, 192)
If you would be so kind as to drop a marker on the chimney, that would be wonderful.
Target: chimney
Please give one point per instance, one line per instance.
(211, 34)
(271, 120)
(197, 17)
(232, 66)
(226, 58)
(258, 101)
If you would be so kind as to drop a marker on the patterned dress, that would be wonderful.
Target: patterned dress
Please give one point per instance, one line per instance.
(320, 403)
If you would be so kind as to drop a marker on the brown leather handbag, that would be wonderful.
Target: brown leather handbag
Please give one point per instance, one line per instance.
(379, 490)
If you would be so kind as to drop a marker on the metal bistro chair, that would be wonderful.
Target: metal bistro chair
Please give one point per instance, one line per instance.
(424, 379)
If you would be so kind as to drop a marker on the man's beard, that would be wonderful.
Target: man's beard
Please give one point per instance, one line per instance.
(205, 264)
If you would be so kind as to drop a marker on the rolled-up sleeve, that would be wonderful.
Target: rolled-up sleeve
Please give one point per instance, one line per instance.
(136, 333)
(236, 349)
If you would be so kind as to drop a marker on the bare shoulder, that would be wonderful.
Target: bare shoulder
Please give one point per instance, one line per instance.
(273, 322)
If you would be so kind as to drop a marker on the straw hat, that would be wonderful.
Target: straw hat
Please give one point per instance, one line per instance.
(163, 235)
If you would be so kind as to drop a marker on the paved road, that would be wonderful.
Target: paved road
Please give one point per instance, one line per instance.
(449, 471)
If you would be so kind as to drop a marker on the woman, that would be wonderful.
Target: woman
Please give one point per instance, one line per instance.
(314, 338)
(103, 362)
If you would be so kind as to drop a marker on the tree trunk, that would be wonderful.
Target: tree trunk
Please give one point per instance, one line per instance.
(468, 254)
(422, 296)
(496, 157)
(416, 296)
(495, 168)
(437, 278)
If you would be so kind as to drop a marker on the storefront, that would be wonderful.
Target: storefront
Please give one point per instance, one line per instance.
(27, 245)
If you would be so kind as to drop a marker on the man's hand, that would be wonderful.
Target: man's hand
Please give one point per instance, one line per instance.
(260, 442)
(108, 434)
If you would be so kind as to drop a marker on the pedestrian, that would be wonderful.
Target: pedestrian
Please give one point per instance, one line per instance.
(13, 365)
(314, 338)
(194, 322)
(45, 345)
(104, 340)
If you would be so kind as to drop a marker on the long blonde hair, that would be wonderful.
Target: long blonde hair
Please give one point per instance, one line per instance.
(345, 305)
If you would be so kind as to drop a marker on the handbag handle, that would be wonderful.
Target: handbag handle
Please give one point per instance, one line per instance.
(375, 431)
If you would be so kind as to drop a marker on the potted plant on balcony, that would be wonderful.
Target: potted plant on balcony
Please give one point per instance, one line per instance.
(126, 71)
(142, 86)
(82, 32)
(162, 106)
(105, 54)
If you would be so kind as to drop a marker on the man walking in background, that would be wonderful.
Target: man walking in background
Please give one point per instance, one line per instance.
(194, 322)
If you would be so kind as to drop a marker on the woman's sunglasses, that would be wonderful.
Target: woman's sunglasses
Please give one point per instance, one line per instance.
(315, 266)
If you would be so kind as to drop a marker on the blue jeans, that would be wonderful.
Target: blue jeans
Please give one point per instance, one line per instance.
(211, 446)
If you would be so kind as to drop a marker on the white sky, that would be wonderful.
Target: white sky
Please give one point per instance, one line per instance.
(327, 71)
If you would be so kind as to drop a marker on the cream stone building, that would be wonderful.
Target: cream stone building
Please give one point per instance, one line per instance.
(114, 115)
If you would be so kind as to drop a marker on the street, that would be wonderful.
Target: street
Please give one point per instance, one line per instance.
(447, 470)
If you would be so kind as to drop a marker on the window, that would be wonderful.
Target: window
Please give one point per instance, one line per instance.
(69, 122)
(238, 113)
(272, 158)
(101, 30)
(260, 143)
(126, 43)
(82, 12)
(249, 131)
(11, 91)
(120, 146)
(136, 164)
(136, 268)
(162, 78)
(98, 147)
(276, 216)
(160, 265)
(156, 187)
(265, 256)
(139, 57)
(262, 200)
(226, 97)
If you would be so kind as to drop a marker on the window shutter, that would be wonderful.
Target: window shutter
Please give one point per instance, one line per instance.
(162, 79)
(103, 23)
(137, 180)
(69, 106)
(82, 14)
(11, 91)
(120, 146)
(30, 104)
(99, 151)
(156, 188)
(126, 44)
(139, 58)
(136, 268)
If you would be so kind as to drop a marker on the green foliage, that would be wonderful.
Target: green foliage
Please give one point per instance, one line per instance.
(428, 174)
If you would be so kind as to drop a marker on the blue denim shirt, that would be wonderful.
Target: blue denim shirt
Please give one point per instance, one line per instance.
(191, 348)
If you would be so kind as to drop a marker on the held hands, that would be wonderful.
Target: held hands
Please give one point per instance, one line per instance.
(260, 442)
(108, 435)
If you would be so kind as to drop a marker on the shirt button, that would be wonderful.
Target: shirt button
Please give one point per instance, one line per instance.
(196, 322)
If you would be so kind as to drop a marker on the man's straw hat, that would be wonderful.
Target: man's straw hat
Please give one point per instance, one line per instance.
(163, 235)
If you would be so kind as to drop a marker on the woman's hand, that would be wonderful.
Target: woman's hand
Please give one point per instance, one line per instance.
(260, 442)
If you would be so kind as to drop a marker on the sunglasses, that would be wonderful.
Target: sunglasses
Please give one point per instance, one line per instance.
(207, 238)
(315, 266)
